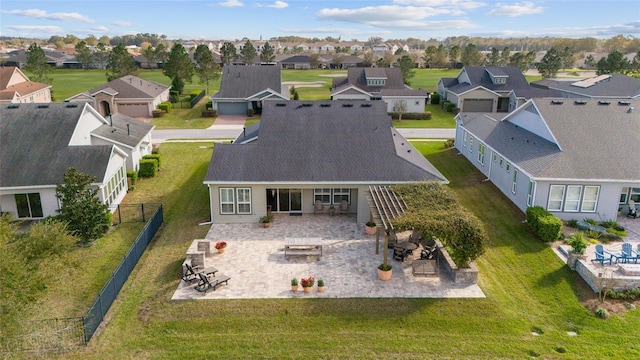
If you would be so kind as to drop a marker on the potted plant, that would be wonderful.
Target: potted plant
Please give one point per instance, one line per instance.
(370, 226)
(307, 283)
(320, 285)
(220, 246)
(266, 220)
(294, 284)
(384, 272)
(578, 246)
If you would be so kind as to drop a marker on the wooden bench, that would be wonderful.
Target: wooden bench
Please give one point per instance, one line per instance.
(302, 247)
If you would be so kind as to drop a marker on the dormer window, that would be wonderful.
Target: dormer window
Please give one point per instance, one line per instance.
(500, 80)
(375, 82)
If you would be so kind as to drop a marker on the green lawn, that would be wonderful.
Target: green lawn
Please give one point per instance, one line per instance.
(527, 287)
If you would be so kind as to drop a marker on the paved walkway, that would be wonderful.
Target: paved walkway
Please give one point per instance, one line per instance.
(254, 260)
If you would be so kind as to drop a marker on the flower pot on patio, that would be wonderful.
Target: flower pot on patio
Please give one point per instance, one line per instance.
(384, 275)
(294, 288)
(307, 289)
(370, 228)
(221, 251)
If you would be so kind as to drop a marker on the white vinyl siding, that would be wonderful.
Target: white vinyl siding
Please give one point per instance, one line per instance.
(556, 197)
(590, 200)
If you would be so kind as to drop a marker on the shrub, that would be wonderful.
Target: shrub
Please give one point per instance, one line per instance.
(608, 224)
(155, 157)
(578, 243)
(174, 98)
(602, 313)
(166, 106)
(544, 224)
(572, 223)
(158, 113)
(148, 168)
(194, 94)
(133, 176)
(411, 116)
(449, 143)
(593, 234)
(435, 98)
(589, 221)
(627, 294)
(208, 105)
(450, 107)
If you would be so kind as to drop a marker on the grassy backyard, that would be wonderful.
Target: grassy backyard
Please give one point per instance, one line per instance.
(527, 287)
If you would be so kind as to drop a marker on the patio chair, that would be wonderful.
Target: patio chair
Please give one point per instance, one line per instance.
(399, 254)
(343, 208)
(633, 212)
(429, 251)
(617, 256)
(601, 256)
(206, 283)
(318, 208)
(191, 272)
(415, 238)
(628, 253)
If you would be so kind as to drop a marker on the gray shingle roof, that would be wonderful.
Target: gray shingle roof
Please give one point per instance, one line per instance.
(617, 86)
(118, 131)
(479, 76)
(241, 81)
(595, 141)
(132, 87)
(322, 142)
(34, 145)
(394, 85)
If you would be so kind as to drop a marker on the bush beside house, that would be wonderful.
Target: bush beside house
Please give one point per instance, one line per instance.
(544, 225)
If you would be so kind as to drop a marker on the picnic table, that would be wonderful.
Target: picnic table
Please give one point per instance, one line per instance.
(308, 246)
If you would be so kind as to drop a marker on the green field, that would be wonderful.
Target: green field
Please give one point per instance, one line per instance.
(527, 287)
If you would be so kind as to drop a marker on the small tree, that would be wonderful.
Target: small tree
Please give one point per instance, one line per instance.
(37, 65)
(550, 64)
(87, 217)
(407, 68)
(248, 52)
(178, 67)
(267, 55)
(84, 55)
(228, 53)
(206, 67)
(120, 63)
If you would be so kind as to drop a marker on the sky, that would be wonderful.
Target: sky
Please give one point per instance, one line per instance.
(345, 19)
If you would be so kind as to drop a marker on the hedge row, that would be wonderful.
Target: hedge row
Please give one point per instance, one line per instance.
(166, 106)
(544, 225)
(148, 168)
(411, 116)
(155, 157)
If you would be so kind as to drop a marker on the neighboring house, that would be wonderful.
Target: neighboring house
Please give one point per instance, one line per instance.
(297, 62)
(488, 89)
(40, 142)
(243, 89)
(306, 151)
(128, 95)
(576, 158)
(15, 87)
(602, 86)
(384, 84)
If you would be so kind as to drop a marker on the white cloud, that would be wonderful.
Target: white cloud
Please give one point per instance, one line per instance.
(36, 28)
(383, 13)
(516, 9)
(278, 5)
(121, 23)
(231, 3)
(461, 4)
(101, 29)
(42, 14)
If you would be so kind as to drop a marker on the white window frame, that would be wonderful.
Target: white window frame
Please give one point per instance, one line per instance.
(243, 198)
(507, 167)
(588, 201)
(532, 187)
(471, 143)
(501, 161)
(481, 150)
(559, 200)
(464, 139)
(514, 183)
(340, 192)
(231, 192)
(634, 194)
(572, 202)
(495, 156)
(322, 194)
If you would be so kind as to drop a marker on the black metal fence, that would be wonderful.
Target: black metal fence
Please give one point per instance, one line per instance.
(195, 100)
(65, 333)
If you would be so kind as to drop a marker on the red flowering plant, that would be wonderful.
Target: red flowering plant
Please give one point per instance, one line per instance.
(307, 282)
(221, 245)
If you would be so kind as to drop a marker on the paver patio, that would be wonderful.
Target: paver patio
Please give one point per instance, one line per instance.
(254, 260)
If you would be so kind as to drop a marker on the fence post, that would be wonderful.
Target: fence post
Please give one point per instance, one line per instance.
(119, 215)
(142, 206)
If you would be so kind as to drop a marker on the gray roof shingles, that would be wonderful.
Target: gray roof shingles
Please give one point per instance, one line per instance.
(394, 85)
(322, 142)
(617, 86)
(34, 146)
(132, 87)
(242, 81)
(479, 76)
(118, 131)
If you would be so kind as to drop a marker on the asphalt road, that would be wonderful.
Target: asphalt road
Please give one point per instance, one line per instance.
(226, 133)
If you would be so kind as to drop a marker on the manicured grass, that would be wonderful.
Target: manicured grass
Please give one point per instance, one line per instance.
(527, 287)
(439, 119)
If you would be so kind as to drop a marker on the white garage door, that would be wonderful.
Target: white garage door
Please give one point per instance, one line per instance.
(232, 108)
(477, 105)
(134, 110)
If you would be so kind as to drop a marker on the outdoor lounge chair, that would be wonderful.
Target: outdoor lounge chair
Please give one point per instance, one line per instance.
(343, 208)
(191, 272)
(628, 253)
(633, 212)
(601, 255)
(318, 208)
(207, 283)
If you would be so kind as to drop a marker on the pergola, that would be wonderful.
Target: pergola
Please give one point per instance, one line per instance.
(384, 206)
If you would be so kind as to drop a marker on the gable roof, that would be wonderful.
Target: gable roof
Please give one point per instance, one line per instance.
(480, 76)
(123, 130)
(241, 81)
(589, 140)
(603, 86)
(131, 87)
(322, 142)
(34, 145)
(357, 77)
(9, 87)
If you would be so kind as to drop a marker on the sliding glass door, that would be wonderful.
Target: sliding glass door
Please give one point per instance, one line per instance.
(285, 200)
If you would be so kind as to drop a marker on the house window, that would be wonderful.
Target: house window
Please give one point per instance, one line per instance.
(514, 183)
(532, 186)
(495, 156)
(341, 194)
(590, 200)
(501, 161)
(508, 167)
(244, 200)
(556, 197)
(481, 150)
(417, 102)
(624, 195)
(29, 205)
(227, 203)
(464, 139)
(470, 143)
(635, 194)
(572, 202)
(115, 185)
(324, 195)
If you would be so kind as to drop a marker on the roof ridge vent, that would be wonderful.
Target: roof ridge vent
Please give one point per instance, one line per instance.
(70, 105)
(603, 102)
(325, 105)
(624, 103)
(347, 105)
(580, 102)
(281, 104)
(557, 102)
(365, 105)
(307, 105)
(43, 106)
(13, 106)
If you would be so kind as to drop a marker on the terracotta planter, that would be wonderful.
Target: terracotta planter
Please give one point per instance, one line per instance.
(320, 288)
(371, 230)
(266, 224)
(294, 288)
(384, 275)
(221, 250)
(307, 289)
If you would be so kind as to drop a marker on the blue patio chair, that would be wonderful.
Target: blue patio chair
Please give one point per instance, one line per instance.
(628, 253)
(601, 255)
